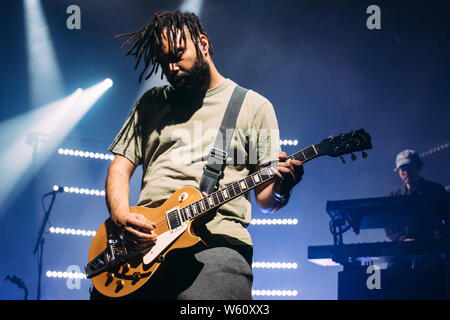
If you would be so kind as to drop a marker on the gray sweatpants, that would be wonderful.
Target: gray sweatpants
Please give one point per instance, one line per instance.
(225, 275)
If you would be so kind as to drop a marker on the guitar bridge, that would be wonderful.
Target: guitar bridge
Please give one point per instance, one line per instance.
(114, 254)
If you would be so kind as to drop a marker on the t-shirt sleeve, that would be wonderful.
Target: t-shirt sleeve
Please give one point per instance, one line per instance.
(267, 134)
(128, 142)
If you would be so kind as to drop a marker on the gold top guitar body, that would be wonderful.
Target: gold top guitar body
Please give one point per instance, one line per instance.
(129, 275)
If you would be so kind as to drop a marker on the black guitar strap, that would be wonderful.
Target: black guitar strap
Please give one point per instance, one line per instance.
(213, 170)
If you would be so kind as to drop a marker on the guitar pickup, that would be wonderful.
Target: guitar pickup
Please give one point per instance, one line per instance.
(173, 218)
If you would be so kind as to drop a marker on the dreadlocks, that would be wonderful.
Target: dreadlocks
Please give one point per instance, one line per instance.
(148, 39)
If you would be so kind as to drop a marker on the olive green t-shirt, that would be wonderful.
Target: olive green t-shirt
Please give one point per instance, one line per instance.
(171, 137)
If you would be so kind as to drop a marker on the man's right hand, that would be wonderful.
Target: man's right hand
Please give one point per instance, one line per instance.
(137, 229)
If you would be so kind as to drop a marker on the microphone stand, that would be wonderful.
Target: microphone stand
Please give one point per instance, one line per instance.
(40, 240)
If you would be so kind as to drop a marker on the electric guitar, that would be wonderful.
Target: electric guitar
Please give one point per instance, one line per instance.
(117, 269)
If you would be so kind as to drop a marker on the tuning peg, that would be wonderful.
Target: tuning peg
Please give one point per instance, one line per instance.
(353, 157)
(364, 154)
(342, 159)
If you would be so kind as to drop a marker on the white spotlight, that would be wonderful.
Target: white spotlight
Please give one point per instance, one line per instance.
(108, 83)
(46, 81)
(194, 6)
(50, 120)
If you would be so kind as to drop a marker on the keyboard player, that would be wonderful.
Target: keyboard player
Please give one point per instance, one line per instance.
(409, 166)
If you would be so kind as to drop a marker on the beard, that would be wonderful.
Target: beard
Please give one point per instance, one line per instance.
(195, 80)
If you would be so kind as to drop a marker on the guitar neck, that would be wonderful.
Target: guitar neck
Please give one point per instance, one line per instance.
(236, 189)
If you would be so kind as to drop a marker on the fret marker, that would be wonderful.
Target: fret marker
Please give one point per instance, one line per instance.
(243, 185)
(211, 202)
(256, 178)
(202, 205)
(225, 193)
(194, 209)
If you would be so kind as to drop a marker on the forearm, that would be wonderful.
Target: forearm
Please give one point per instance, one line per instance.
(117, 192)
(117, 197)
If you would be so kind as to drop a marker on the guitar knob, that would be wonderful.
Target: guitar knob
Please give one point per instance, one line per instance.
(120, 285)
(342, 159)
(364, 154)
(109, 278)
(136, 277)
(353, 157)
(125, 267)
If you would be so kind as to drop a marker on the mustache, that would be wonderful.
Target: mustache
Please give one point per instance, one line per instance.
(183, 75)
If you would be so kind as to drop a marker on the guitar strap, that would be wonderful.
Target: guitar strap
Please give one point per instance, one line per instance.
(213, 170)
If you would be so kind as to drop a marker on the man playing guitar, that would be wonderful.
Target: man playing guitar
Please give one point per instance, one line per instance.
(170, 132)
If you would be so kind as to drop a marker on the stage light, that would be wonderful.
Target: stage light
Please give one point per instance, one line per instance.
(45, 78)
(274, 221)
(274, 265)
(85, 154)
(77, 190)
(435, 149)
(72, 231)
(108, 83)
(27, 141)
(65, 274)
(288, 142)
(283, 292)
(194, 6)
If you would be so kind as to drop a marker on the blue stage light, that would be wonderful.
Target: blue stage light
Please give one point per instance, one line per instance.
(36, 135)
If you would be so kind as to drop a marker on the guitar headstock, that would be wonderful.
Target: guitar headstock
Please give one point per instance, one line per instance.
(345, 144)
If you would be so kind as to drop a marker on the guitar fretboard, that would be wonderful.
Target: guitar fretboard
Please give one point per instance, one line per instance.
(236, 189)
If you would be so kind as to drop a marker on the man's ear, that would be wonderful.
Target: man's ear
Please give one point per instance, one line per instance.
(204, 43)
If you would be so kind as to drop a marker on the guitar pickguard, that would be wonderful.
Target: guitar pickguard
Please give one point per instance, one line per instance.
(163, 242)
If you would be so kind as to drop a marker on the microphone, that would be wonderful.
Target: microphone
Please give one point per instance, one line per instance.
(56, 189)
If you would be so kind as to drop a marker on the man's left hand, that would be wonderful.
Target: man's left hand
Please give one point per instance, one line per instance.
(287, 174)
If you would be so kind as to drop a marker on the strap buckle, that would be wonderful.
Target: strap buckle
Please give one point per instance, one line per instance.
(219, 154)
